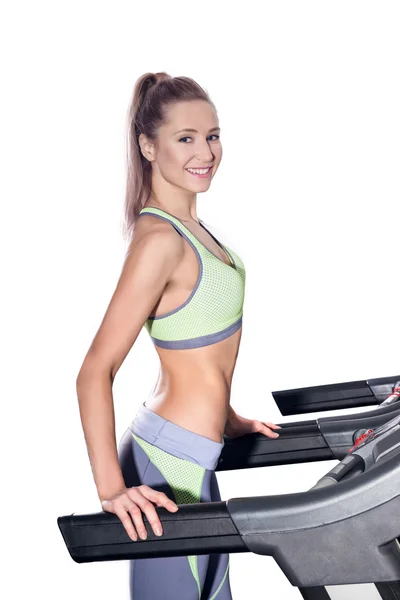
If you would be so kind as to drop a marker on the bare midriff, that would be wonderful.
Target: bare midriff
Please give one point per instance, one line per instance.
(193, 386)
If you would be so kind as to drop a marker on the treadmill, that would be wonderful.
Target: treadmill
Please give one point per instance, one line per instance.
(344, 531)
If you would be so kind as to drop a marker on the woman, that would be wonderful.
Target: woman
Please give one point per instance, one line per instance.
(187, 289)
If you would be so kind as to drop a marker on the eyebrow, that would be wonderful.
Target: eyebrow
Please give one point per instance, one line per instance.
(195, 130)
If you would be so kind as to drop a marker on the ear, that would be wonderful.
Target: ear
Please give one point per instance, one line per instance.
(147, 148)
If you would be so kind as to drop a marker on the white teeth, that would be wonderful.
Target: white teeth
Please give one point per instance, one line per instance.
(199, 171)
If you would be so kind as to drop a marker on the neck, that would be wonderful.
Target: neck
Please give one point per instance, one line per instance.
(175, 200)
(181, 210)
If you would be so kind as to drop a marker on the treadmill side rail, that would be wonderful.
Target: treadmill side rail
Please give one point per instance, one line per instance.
(200, 528)
(334, 396)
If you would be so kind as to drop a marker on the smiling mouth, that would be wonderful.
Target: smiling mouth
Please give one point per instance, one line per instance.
(200, 172)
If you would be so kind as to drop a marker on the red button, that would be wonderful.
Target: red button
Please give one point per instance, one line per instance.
(360, 439)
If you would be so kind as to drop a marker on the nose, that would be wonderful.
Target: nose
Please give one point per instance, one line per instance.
(203, 151)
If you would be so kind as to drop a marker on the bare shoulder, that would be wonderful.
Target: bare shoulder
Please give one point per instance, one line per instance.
(149, 221)
(155, 240)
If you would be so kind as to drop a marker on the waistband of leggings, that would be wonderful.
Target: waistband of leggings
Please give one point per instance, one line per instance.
(176, 440)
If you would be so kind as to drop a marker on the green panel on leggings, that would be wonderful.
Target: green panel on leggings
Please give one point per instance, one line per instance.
(185, 479)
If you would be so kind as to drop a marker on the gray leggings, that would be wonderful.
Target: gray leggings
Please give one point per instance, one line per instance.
(180, 463)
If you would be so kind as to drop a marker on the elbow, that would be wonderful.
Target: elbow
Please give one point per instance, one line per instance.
(91, 370)
(84, 374)
(81, 380)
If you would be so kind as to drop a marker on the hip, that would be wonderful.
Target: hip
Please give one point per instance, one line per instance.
(202, 412)
(175, 439)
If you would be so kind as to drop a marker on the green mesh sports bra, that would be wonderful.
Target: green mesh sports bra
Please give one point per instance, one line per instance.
(214, 309)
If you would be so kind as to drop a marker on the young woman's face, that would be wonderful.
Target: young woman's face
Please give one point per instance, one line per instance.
(178, 149)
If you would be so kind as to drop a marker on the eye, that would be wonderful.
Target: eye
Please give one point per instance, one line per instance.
(189, 138)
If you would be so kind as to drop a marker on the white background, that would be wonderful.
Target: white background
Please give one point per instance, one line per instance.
(307, 193)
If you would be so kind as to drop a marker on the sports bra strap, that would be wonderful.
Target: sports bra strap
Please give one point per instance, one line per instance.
(178, 225)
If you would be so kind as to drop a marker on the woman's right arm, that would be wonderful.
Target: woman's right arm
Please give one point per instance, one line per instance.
(148, 266)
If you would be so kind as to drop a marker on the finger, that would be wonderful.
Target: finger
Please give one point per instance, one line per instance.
(138, 496)
(268, 432)
(159, 498)
(135, 509)
(126, 521)
(136, 515)
(257, 426)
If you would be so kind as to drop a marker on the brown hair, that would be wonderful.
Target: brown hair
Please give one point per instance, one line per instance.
(152, 93)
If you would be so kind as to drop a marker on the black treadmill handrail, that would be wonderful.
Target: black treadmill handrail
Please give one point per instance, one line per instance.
(334, 396)
(327, 438)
